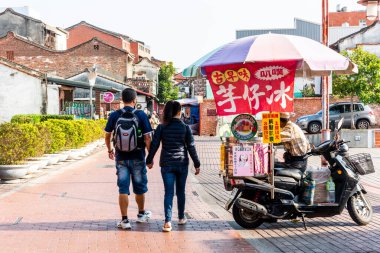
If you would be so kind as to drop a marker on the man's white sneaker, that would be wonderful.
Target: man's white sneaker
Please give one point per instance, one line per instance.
(144, 217)
(182, 221)
(124, 224)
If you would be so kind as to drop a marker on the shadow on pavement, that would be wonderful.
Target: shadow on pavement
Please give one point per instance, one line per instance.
(154, 225)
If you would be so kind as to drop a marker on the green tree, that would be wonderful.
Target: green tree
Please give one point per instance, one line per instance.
(365, 84)
(166, 89)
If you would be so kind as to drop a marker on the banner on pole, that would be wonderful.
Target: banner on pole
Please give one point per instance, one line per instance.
(252, 87)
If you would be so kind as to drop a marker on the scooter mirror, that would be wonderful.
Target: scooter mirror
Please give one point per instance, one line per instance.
(340, 123)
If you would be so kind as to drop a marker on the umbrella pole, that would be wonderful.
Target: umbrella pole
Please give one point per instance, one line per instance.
(271, 164)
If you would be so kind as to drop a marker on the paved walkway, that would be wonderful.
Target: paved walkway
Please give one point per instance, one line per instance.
(335, 234)
(74, 208)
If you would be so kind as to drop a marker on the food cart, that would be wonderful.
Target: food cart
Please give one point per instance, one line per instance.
(256, 74)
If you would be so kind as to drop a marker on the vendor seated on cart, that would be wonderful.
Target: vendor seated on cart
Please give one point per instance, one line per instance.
(295, 143)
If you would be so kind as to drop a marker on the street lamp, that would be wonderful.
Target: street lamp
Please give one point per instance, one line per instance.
(91, 80)
(372, 8)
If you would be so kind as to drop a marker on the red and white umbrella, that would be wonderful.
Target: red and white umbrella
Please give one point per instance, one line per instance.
(314, 58)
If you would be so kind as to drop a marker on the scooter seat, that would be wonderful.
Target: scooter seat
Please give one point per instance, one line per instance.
(294, 173)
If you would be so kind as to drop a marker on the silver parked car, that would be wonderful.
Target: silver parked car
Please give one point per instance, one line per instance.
(363, 117)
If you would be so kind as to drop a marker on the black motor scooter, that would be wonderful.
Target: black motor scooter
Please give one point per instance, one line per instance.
(253, 205)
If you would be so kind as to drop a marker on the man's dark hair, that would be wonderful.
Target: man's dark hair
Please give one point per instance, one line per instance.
(128, 95)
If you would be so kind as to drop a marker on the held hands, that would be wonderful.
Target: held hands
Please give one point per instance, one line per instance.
(197, 171)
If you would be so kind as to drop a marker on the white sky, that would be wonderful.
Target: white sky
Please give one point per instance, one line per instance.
(177, 30)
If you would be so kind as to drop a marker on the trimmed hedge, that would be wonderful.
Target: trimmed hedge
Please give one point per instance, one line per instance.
(20, 141)
(36, 118)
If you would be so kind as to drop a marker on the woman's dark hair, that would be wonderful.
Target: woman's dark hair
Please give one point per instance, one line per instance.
(171, 109)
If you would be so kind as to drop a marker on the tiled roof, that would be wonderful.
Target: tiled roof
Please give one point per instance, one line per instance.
(61, 51)
(179, 77)
(352, 18)
(21, 68)
(151, 61)
(101, 30)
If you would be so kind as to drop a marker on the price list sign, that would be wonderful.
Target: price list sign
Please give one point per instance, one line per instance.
(271, 127)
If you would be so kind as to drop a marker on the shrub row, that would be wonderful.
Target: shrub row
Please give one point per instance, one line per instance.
(20, 141)
(36, 118)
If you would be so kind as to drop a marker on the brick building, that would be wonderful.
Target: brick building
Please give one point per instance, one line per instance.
(140, 65)
(83, 31)
(69, 62)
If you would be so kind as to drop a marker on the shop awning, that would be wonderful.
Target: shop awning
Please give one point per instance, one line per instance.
(82, 85)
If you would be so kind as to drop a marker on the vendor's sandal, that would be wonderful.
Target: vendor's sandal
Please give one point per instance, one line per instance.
(167, 227)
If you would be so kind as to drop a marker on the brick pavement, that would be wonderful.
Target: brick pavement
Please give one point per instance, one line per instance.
(73, 208)
(335, 234)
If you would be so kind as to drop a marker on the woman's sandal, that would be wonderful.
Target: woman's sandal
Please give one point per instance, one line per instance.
(167, 227)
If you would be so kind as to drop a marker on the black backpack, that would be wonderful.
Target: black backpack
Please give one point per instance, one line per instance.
(127, 134)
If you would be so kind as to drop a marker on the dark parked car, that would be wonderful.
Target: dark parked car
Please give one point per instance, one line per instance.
(363, 117)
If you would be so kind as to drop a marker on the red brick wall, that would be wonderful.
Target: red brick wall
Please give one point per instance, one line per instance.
(208, 123)
(82, 33)
(66, 63)
(302, 106)
(135, 50)
(306, 106)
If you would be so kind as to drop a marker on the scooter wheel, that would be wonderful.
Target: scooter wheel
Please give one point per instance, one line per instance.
(359, 209)
(245, 218)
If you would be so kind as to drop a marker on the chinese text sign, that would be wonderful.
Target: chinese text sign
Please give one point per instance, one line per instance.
(252, 87)
(271, 127)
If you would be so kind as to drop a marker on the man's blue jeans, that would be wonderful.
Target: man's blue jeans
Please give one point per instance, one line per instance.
(174, 175)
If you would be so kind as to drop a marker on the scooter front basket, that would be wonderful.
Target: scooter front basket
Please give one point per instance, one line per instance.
(361, 163)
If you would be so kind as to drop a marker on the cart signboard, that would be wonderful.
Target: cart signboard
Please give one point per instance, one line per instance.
(271, 127)
(244, 127)
(243, 161)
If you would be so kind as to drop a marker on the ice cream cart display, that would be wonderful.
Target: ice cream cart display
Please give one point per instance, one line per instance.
(256, 74)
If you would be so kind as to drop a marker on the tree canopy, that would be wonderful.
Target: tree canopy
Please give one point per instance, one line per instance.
(366, 83)
(166, 89)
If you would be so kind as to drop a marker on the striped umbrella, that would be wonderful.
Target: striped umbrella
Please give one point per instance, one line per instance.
(314, 58)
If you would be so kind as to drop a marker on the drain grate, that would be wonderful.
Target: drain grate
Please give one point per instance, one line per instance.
(195, 193)
(214, 215)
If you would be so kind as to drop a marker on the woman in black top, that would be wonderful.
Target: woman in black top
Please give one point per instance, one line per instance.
(177, 142)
